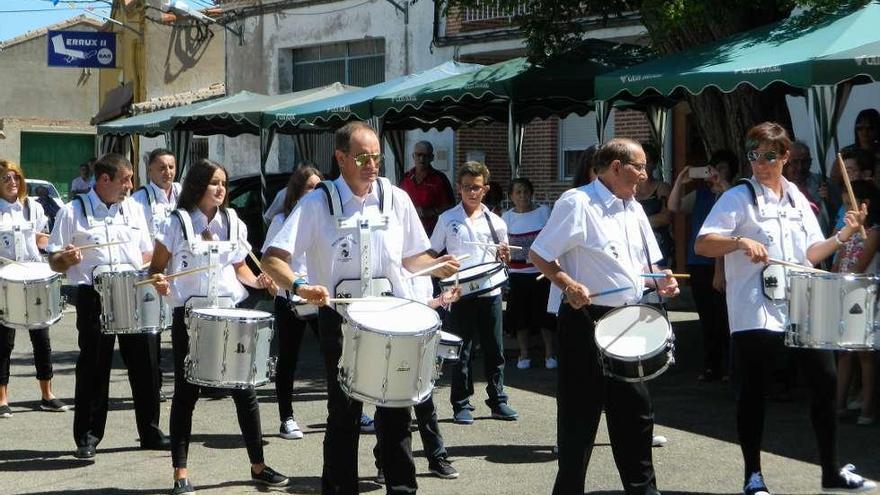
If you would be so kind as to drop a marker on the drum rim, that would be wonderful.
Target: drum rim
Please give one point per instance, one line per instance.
(33, 281)
(420, 333)
(669, 335)
(793, 273)
(450, 280)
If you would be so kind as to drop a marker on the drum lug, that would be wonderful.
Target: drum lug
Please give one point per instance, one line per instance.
(271, 367)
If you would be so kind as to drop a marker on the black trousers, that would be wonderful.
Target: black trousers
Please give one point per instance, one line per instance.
(140, 355)
(429, 431)
(583, 392)
(712, 311)
(753, 357)
(289, 330)
(477, 318)
(186, 395)
(340, 473)
(42, 352)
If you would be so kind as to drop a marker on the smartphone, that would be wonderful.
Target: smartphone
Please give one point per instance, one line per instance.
(698, 172)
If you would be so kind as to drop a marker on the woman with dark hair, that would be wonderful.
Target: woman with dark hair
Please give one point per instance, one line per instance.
(527, 299)
(768, 217)
(290, 328)
(707, 274)
(652, 195)
(584, 173)
(202, 223)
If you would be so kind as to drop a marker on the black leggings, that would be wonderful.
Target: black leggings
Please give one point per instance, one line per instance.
(42, 352)
(753, 354)
(290, 330)
(186, 394)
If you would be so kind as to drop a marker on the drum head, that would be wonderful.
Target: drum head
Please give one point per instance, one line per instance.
(448, 338)
(26, 270)
(393, 315)
(474, 271)
(232, 313)
(632, 331)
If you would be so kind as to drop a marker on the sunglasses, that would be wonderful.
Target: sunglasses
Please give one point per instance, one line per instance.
(363, 158)
(755, 155)
(9, 178)
(472, 188)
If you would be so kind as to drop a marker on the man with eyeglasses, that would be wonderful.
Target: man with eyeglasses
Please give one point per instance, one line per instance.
(318, 228)
(603, 242)
(813, 185)
(428, 188)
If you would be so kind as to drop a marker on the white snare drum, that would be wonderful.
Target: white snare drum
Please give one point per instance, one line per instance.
(31, 295)
(477, 279)
(389, 350)
(449, 347)
(128, 309)
(831, 311)
(635, 343)
(229, 348)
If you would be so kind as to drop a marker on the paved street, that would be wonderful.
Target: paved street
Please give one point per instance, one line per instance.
(493, 457)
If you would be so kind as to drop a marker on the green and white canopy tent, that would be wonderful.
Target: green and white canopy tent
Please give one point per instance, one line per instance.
(818, 58)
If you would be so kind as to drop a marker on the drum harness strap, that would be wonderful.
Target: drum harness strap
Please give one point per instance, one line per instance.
(364, 225)
(201, 249)
(18, 230)
(158, 213)
(88, 210)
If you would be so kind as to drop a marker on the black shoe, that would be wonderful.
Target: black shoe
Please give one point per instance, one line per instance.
(442, 468)
(85, 452)
(269, 476)
(5, 411)
(181, 487)
(504, 412)
(161, 443)
(53, 405)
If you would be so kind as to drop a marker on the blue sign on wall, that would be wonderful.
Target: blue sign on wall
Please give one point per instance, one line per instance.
(81, 49)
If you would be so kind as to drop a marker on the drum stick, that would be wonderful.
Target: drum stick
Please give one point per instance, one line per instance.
(96, 246)
(539, 277)
(492, 244)
(610, 291)
(849, 191)
(349, 300)
(664, 275)
(434, 267)
(256, 260)
(174, 275)
(10, 261)
(795, 266)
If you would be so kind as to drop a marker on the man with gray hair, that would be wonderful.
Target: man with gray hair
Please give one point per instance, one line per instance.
(428, 188)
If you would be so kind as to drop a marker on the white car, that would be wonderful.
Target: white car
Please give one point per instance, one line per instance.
(33, 184)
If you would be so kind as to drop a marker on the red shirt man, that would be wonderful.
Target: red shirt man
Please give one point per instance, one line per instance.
(429, 189)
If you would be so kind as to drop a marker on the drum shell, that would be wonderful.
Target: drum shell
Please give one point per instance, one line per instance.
(646, 366)
(492, 276)
(449, 347)
(31, 304)
(229, 351)
(834, 311)
(130, 309)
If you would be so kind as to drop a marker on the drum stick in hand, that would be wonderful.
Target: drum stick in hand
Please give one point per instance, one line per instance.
(794, 266)
(349, 300)
(96, 246)
(849, 191)
(492, 245)
(664, 275)
(431, 268)
(151, 279)
(256, 260)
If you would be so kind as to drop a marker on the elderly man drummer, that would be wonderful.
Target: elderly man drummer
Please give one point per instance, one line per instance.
(603, 241)
(105, 216)
(387, 233)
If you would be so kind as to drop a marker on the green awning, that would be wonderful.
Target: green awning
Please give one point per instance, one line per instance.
(336, 110)
(242, 113)
(795, 52)
(150, 124)
(560, 86)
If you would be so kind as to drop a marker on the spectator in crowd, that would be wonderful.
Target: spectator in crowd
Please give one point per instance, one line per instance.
(527, 298)
(866, 135)
(85, 181)
(707, 274)
(428, 188)
(859, 164)
(652, 194)
(50, 207)
(494, 197)
(585, 172)
(813, 185)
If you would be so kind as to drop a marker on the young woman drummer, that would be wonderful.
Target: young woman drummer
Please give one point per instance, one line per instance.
(17, 210)
(203, 201)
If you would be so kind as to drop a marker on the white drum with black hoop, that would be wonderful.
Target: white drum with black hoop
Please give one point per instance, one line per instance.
(835, 311)
(31, 295)
(449, 348)
(635, 343)
(478, 279)
(126, 308)
(389, 351)
(229, 348)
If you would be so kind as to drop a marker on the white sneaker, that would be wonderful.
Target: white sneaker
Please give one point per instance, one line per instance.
(290, 430)
(551, 363)
(849, 482)
(659, 441)
(523, 364)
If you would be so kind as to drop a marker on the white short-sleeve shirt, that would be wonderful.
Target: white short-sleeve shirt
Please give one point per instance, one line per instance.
(127, 224)
(600, 241)
(298, 264)
(787, 238)
(182, 288)
(161, 209)
(454, 230)
(334, 255)
(14, 214)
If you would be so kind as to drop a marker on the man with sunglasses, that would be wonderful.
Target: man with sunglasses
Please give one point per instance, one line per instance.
(768, 217)
(428, 188)
(318, 228)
